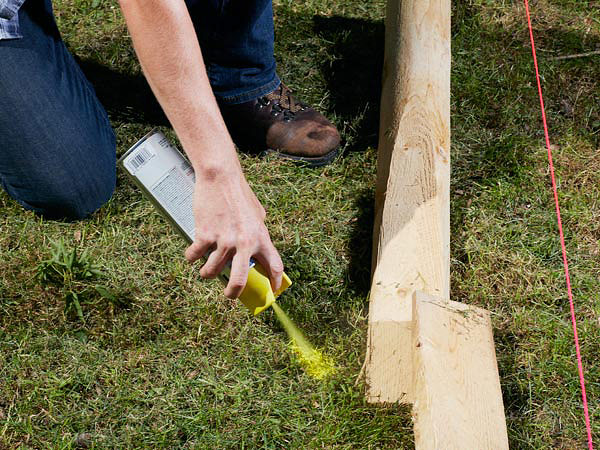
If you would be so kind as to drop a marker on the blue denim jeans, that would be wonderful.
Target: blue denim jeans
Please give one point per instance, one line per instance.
(236, 37)
(57, 147)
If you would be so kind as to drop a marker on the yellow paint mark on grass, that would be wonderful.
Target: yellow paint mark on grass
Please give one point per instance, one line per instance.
(315, 364)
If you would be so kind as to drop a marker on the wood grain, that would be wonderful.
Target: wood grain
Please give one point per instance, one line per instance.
(412, 212)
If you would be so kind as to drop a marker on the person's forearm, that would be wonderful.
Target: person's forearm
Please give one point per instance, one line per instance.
(165, 41)
(230, 226)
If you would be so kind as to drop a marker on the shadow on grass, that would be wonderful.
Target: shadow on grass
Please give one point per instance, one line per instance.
(353, 74)
(126, 98)
(360, 246)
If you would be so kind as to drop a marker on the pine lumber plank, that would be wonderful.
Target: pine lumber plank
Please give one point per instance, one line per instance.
(458, 399)
(411, 247)
(388, 348)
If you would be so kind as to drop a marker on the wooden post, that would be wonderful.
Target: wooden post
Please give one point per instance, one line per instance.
(434, 352)
(458, 400)
(412, 221)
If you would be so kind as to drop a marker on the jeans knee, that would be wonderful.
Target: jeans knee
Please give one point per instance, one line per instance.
(71, 186)
(83, 200)
(74, 200)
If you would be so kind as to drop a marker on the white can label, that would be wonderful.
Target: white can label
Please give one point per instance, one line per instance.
(167, 176)
(169, 179)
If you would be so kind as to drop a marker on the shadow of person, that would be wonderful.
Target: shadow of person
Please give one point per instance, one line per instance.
(126, 98)
(353, 74)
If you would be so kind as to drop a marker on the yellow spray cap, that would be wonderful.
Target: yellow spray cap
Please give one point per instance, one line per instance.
(258, 295)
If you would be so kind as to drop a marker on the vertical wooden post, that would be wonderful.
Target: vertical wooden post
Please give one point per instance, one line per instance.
(412, 222)
(435, 353)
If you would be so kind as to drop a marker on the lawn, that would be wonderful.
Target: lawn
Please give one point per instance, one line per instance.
(157, 358)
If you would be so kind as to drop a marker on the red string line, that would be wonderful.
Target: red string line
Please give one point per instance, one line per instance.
(562, 238)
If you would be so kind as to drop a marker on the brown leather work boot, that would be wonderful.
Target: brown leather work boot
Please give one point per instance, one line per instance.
(278, 123)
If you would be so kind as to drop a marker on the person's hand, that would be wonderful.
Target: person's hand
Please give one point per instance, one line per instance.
(230, 226)
(229, 218)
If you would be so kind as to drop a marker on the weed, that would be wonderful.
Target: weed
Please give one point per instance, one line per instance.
(65, 266)
(72, 273)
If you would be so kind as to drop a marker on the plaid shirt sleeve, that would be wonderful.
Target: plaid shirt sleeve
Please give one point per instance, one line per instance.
(9, 19)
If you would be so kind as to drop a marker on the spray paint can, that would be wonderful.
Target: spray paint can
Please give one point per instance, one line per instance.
(167, 179)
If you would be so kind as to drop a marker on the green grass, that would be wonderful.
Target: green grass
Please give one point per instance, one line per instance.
(159, 358)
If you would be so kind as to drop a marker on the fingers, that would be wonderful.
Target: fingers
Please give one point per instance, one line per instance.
(269, 258)
(238, 275)
(241, 246)
(215, 262)
(198, 249)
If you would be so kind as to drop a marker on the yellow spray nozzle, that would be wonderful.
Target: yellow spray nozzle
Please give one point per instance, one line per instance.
(258, 295)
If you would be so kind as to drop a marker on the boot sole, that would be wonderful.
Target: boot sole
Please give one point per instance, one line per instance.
(317, 161)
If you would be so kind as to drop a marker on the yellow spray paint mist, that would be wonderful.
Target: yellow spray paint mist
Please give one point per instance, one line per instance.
(316, 364)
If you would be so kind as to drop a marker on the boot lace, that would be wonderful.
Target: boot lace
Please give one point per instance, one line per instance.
(283, 103)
